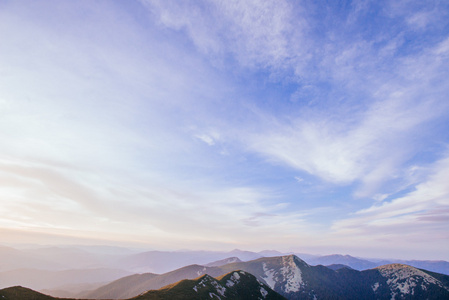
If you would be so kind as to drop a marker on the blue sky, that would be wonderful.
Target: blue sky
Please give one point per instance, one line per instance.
(309, 126)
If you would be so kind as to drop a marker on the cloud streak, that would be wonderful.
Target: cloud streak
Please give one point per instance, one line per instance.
(223, 123)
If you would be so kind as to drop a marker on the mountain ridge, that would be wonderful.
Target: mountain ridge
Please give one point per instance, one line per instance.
(293, 278)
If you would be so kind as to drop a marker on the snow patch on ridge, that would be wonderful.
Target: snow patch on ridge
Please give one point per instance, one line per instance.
(269, 276)
(289, 275)
(234, 279)
(292, 274)
(220, 289)
(405, 278)
(202, 283)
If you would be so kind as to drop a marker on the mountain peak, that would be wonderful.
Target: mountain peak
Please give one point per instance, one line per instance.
(234, 285)
(293, 259)
(408, 280)
(222, 262)
(401, 272)
(395, 266)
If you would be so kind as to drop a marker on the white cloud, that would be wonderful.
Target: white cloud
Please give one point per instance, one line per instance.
(93, 132)
(107, 119)
(416, 218)
(255, 33)
(370, 144)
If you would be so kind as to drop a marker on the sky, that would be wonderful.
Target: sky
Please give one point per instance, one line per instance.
(310, 126)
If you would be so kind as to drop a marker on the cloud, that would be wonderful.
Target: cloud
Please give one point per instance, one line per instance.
(115, 118)
(58, 200)
(254, 33)
(370, 143)
(94, 134)
(416, 218)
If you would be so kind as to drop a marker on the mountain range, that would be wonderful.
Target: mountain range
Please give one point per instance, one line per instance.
(110, 272)
(236, 285)
(293, 278)
(268, 278)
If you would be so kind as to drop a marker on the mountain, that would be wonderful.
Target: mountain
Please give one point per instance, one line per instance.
(15, 259)
(293, 278)
(405, 281)
(439, 266)
(270, 253)
(43, 279)
(236, 285)
(222, 262)
(20, 293)
(133, 285)
(245, 255)
(165, 261)
(353, 262)
(71, 290)
(336, 267)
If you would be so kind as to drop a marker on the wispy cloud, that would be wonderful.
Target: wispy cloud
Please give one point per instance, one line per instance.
(417, 218)
(195, 121)
(254, 33)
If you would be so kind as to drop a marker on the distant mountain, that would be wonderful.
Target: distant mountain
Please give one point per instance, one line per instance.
(164, 261)
(271, 253)
(222, 262)
(336, 267)
(439, 266)
(71, 290)
(295, 279)
(70, 258)
(353, 262)
(125, 287)
(43, 279)
(134, 285)
(14, 259)
(245, 255)
(237, 285)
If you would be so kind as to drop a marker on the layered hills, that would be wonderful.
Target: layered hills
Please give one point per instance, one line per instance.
(236, 285)
(293, 278)
(97, 272)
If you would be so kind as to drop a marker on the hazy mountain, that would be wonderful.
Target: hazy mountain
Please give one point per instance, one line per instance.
(295, 279)
(289, 276)
(336, 267)
(164, 261)
(245, 255)
(353, 262)
(439, 266)
(235, 285)
(222, 262)
(72, 290)
(108, 250)
(58, 258)
(44, 279)
(134, 285)
(14, 259)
